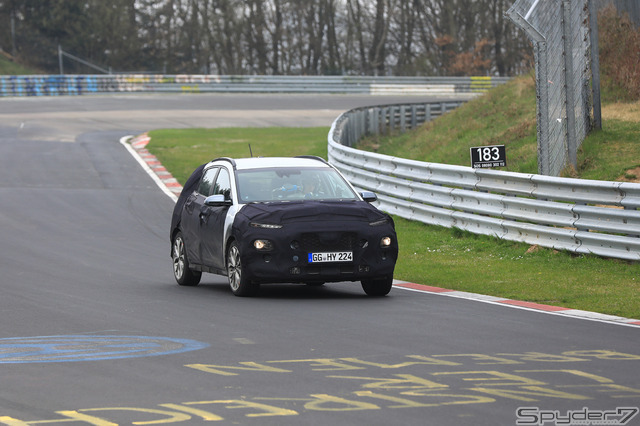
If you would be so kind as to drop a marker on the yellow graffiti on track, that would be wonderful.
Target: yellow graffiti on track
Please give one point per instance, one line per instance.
(413, 382)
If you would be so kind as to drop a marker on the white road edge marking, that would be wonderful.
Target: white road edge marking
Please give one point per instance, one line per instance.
(499, 301)
(124, 141)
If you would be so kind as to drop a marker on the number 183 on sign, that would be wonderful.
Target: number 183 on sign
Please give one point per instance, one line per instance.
(488, 156)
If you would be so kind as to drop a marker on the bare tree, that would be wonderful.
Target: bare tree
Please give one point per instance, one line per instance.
(372, 37)
(378, 50)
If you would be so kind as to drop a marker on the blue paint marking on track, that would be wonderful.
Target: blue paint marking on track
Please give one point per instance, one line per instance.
(73, 348)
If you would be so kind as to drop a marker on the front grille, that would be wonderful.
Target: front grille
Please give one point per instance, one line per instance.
(330, 270)
(328, 241)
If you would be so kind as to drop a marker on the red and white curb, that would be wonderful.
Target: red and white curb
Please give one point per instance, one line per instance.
(163, 178)
(170, 186)
(530, 306)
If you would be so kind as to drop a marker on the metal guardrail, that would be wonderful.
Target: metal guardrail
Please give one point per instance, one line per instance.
(580, 216)
(382, 119)
(54, 85)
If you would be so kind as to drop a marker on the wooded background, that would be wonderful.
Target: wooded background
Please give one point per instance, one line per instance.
(268, 37)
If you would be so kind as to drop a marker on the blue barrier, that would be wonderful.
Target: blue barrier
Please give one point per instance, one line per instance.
(49, 85)
(57, 85)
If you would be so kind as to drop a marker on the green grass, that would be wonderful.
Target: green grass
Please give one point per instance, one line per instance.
(451, 258)
(459, 260)
(506, 115)
(181, 151)
(8, 67)
(609, 153)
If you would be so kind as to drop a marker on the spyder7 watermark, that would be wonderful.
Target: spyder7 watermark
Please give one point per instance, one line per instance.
(585, 416)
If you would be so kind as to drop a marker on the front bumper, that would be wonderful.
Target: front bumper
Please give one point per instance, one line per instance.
(287, 259)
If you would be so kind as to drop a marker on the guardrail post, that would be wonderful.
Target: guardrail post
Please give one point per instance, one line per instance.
(373, 121)
(414, 122)
(392, 118)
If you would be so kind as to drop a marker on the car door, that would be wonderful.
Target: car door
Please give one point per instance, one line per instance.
(191, 216)
(212, 220)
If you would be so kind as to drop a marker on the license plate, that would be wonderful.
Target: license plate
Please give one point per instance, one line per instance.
(337, 256)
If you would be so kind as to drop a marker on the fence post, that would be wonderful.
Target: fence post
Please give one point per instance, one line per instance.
(595, 65)
(544, 155)
(572, 143)
(60, 61)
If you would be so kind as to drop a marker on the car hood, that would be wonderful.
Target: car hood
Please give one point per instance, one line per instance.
(303, 211)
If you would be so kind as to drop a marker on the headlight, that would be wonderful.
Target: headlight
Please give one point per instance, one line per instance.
(265, 225)
(378, 222)
(263, 245)
(385, 242)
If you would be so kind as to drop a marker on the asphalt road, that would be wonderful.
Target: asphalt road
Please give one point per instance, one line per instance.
(94, 330)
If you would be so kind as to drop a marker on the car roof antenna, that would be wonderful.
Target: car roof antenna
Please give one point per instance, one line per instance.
(250, 152)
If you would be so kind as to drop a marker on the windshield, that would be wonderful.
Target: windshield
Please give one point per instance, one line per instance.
(288, 184)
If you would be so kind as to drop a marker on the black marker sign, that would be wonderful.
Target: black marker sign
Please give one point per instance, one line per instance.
(488, 156)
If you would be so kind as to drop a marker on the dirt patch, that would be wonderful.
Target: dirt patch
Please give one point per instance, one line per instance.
(631, 175)
(622, 111)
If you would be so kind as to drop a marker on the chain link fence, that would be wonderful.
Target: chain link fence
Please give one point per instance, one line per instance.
(559, 31)
(566, 70)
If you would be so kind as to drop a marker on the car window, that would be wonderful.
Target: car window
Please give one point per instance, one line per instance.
(207, 181)
(286, 184)
(223, 184)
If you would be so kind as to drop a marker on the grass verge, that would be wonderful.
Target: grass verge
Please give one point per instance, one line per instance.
(181, 151)
(506, 115)
(463, 261)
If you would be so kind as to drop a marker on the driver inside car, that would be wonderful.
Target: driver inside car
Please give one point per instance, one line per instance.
(310, 186)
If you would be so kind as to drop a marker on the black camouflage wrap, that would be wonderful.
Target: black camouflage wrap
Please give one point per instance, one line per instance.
(190, 185)
(311, 227)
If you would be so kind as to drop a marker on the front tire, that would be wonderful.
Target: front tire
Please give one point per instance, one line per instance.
(377, 287)
(181, 270)
(238, 282)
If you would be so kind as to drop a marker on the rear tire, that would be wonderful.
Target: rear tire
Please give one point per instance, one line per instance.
(377, 287)
(181, 270)
(240, 285)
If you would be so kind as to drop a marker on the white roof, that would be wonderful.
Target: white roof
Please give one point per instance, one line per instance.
(262, 162)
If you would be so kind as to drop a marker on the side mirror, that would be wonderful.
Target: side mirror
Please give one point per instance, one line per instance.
(217, 200)
(369, 196)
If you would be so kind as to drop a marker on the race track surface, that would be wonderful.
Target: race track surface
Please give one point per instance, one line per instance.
(95, 331)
